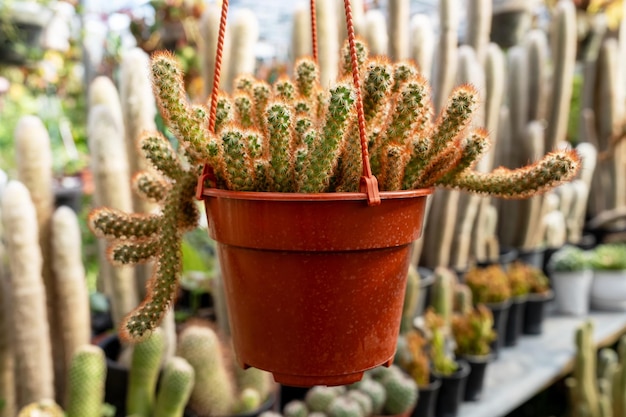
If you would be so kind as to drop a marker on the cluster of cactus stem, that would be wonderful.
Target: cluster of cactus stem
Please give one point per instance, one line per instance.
(296, 136)
(489, 284)
(473, 331)
(598, 384)
(382, 391)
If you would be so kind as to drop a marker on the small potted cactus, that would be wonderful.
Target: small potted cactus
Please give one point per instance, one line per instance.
(518, 281)
(302, 183)
(538, 297)
(608, 289)
(473, 333)
(571, 276)
(490, 286)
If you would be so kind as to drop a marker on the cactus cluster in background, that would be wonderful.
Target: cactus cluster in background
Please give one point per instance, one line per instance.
(473, 331)
(488, 285)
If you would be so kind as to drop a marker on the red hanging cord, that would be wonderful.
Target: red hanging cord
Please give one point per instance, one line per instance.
(314, 30)
(218, 66)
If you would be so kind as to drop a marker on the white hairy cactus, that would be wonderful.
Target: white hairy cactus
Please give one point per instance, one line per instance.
(376, 32)
(244, 34)
(422, 44)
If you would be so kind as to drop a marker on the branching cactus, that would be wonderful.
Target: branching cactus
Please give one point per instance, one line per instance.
(301, 129)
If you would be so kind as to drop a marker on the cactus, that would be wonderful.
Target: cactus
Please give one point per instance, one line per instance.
(301, 33)
(144, 371)
(248, 400)
(411, 297)
(462, 299)
(442, 298)
(401, 392)
(434, 155)
(33, 155)
(488, 285)
(422, 46)
(175, 389)
(7, 359)
(399, 12)
(517, 273)
(479, 26)
(473, 331)
(86, 381)
(33, 353)
(319, 398)
(42, 408)
(244, 34)
(214, 391)
(344, 406)
(536, 45)
(564, 59)
(328, 41)
(445, 68)
(255, 379)
(376, 393)
(376, 34)
(363, 399)
(109, 165)
(297, 408)
(70, 284)
(412, 357)
(358, 19)
(587, 398)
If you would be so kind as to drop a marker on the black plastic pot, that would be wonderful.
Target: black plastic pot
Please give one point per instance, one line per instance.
(506, 258)
(427, 399)
(500, 312)
(289, 393)
(116, 383)
(476, 377)
(451, 391)
(535, 312)
(269, 404)
(533, 257)
(427, 278)
(515, 321)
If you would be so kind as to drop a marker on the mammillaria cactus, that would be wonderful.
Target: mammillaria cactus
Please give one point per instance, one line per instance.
(304, 128)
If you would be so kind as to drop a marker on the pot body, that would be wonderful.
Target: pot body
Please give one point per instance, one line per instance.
(535, 312)
(452, 391)
(572, 291)
(515, 321)
(314, 283)
(500, 312)
(608, 290)
(476, 378)
(427, 399)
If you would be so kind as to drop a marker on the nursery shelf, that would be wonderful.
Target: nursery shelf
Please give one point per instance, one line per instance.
(537, 362)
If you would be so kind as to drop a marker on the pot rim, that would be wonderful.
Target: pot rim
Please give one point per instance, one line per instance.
(276, 196)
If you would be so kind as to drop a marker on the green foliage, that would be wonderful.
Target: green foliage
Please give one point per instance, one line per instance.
(488, 285)
(517, 274)
(440, 354)
(473, 332)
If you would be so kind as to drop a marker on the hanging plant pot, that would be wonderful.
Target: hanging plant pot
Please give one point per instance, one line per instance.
(314, 283)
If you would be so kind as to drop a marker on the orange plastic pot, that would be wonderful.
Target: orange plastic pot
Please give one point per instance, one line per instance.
(314, 283)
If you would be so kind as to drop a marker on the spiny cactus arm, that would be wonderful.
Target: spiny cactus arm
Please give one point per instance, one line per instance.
(261, 94)
(149, 186)
(133, 253)
(306, 76)
(454, 119)
(162, 286)
(376, 86)
(351, 166)
(555, 168)
(159, 152)
(402, 72)
(244, 83)
(324, 154)
(396, 157)
(261, 174)
(439, 166)
(224, 113)
(170, 93)
(285, 90)
(243, 109)
(362, 53)
(279, 133)
(473, 148)
(115, 224)
(415, 165)
(239, 166)
(189, 215)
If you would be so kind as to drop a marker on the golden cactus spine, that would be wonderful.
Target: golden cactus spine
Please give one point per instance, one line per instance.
(33, 352)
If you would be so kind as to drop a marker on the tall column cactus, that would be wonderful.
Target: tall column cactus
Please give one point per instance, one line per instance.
(33, 352)
(564, 59)
(445, 68)
(86, 382)
(399, 12)
(7, 357)
(301, 32)
(536, 44)
(70, 284)
(34, 169)
(479, 26)
(328, 40)
(109, 165)
(358, 17)
(422, 44)
(176, 385)
(214, 391)
(244, 34)
(144, 371)
(209, 25)
(376, 32)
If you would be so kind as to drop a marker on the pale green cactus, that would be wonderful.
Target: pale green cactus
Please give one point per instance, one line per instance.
(144, 370)
(175, 388)
(86, 382)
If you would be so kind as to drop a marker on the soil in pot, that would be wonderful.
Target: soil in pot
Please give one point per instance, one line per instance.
(515, 321)
(427, 399)
(451, 391)
(476, 377)
(500, 312)
(535, 312)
